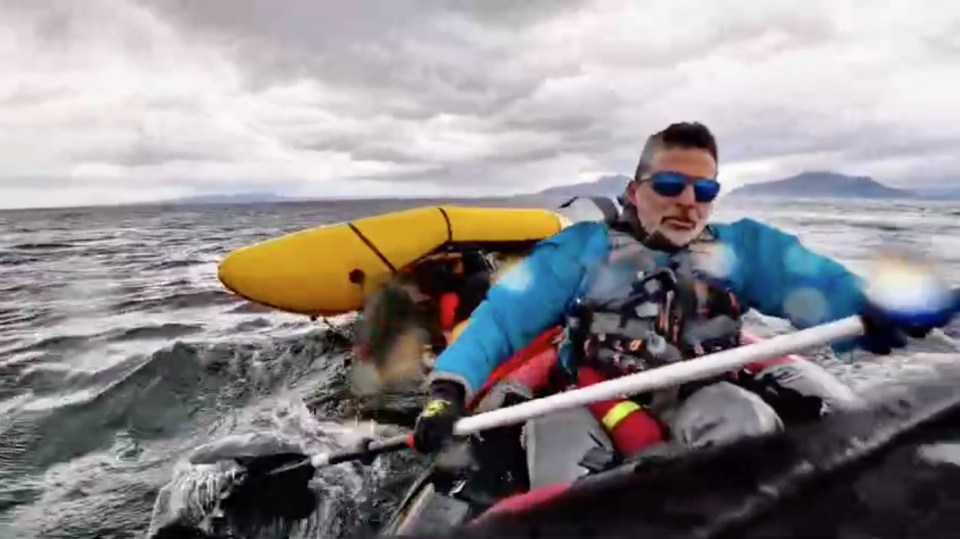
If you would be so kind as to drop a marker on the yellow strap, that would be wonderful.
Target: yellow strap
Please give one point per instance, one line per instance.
(617, 414)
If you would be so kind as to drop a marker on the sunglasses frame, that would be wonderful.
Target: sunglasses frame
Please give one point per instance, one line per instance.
(689, 180)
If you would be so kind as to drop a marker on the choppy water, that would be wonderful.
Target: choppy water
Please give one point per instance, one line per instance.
(120, 352)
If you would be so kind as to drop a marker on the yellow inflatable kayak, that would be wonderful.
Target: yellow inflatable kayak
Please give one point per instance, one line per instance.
(326, 270)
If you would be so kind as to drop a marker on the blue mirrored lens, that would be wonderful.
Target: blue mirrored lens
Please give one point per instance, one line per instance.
(706, 190)
(671, 184)
(668, 185)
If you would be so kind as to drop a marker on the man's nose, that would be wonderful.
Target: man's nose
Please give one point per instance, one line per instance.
(687, 196)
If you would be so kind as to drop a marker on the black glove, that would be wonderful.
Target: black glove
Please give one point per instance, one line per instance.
(882, 334)
(363, 447)
(434, 426)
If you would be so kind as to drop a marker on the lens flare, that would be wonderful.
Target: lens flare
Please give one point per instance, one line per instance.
(910, 290)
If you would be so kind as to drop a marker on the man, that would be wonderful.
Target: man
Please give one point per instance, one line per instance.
(655, 287)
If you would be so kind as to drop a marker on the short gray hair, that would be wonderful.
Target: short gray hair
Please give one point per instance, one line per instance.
(677, 135)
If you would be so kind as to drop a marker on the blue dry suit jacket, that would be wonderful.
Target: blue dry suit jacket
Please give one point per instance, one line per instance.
(768, 268)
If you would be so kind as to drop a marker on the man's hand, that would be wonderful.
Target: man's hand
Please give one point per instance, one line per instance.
(905, 298)
(883, 333)
(434, 426)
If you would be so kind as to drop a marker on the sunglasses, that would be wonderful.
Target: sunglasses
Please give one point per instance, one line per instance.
(671, 184)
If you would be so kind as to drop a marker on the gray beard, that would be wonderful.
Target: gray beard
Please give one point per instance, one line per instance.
(629, 222)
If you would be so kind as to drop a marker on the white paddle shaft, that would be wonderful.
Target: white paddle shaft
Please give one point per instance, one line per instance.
(667, 376)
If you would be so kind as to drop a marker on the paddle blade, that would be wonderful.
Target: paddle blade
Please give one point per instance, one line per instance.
(227, 491)
(243, 448)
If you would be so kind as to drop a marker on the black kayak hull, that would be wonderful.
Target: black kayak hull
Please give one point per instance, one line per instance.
(872, 472)
(543, 453)
(460, 485)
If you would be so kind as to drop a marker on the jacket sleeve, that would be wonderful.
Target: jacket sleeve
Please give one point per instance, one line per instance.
(778, 276)
(530, 297)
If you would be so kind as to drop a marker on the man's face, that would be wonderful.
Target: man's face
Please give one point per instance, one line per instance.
(678, 219)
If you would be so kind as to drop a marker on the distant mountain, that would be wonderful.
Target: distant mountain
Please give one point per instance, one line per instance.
(947, 192)
(610, 186)
(822, 185)
(231, 198)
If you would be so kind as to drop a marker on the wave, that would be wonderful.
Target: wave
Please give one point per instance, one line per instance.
(42, 246)
(14, 288)
(58, 343)
(30, 317)
(171, 264)
(176, 301)
(15, 259)
(43, 378)
(252, 325)
(9, 314)
(181, 387)
(248, 307)
(13, 371)
(161, 331)
(177, 283)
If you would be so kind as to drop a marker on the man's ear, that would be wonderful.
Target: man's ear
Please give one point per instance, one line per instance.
(631, 193)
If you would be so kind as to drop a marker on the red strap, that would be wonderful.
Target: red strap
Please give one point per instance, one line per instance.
(544, 341)
(757, 366)
(448, 310)
(525, 501)
(535, 373)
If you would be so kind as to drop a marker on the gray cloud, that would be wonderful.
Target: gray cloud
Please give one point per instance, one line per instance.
(134, 100)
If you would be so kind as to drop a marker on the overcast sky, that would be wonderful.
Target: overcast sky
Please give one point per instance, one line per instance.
(124, 100)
